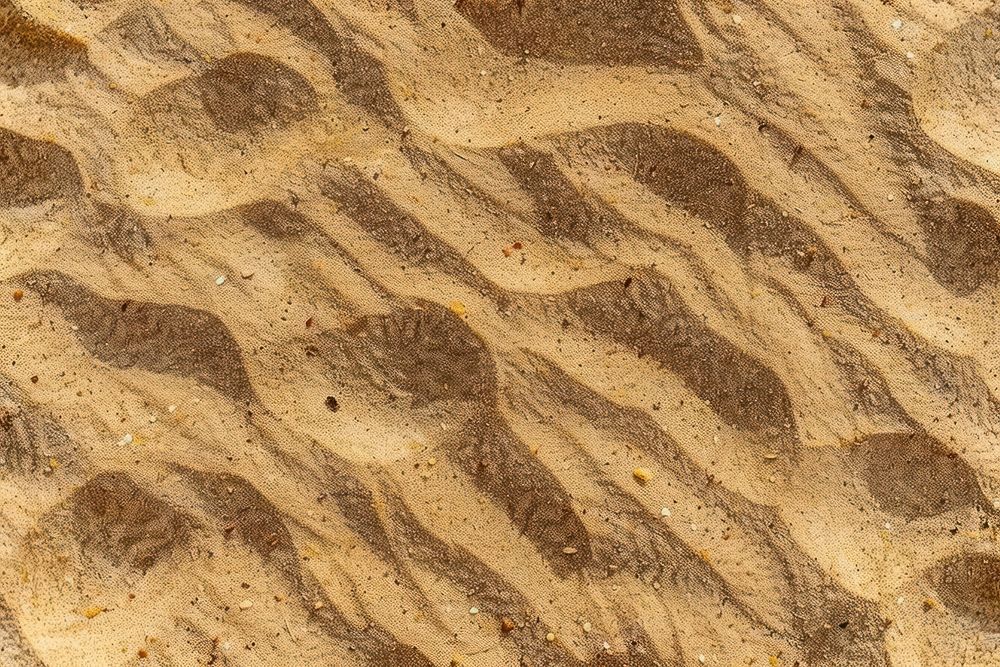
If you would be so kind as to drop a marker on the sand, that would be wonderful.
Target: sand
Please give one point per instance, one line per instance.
(499, 332)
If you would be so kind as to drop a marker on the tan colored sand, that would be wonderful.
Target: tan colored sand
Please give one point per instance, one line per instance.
(656, 333)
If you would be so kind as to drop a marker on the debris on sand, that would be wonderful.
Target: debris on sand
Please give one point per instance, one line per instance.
(642, 475)
(91, 612)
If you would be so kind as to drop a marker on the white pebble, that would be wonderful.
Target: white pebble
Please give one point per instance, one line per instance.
(171, 408)
(127, 439)
(909, 55)
(220, 280)
(665, 512)
(474, 610)
(586, 627)
(897, 24)
(718, 121)
(737, 19)
(246, 604)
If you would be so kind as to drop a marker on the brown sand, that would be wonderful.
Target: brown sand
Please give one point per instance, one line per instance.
(499, 332)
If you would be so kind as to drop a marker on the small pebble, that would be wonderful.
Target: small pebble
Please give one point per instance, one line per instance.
(586, 627)
(642, 475)
(220, 280)
(128, 439)
(737, 19)
(665, 512)
(246, 604)
(474, 610)
(171, 409)
(18, 295)
(551, 637)
(92, 612)
(506, 625)
(569, 550)
(897, 24)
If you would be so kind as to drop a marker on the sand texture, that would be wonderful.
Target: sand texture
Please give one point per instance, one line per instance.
(499, 333)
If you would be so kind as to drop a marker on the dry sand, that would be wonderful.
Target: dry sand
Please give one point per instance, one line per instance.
(499, 332)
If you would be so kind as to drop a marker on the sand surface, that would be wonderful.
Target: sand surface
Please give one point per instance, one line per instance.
(499, 332)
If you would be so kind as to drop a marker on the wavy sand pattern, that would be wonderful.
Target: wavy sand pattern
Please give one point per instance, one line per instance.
(499, 332)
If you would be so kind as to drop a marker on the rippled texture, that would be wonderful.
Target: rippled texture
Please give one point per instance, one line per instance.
(498, 332)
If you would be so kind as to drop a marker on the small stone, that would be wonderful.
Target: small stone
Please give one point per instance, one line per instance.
(18, 295)
(92, 611)
(331, 403)
(246, 604)
(897, 24)
(586, 627)
(318, 604)
(127, 439)
(220, 280)
(569, 550)
(551, 637)
(473, 610)
(737, 19)
(642, 475)
(246, 274)
(457, 307)
(506, 625)
(143, 654)
(171, 409)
